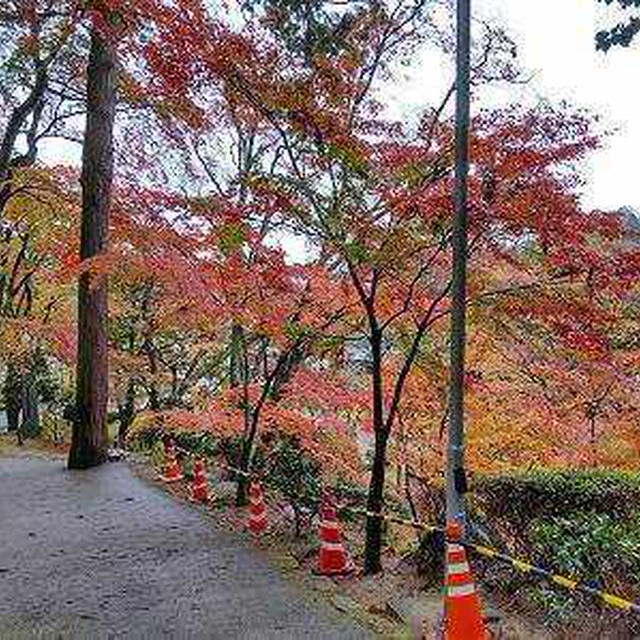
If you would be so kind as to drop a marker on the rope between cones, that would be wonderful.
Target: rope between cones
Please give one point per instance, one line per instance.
(562, 581)
(488, 552)
(221, 465)
(526, 567)
(416, 524)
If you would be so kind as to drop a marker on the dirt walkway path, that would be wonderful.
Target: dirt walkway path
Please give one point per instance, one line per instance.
(100, 554)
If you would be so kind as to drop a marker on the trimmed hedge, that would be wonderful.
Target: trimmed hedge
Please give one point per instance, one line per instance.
(584, 524)
(547, 493)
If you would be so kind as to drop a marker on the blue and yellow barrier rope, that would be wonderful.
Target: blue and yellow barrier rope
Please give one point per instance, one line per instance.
(562, 581)
(488, 552)
(520, 565)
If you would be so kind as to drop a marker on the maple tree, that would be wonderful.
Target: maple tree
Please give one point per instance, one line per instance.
(282, 335)
(39, 221)
(242, 136)
(266, 320)
(582, 372)
(197, 287)
(375, 197)
(162, 337)
(42, 52)
(37, 101)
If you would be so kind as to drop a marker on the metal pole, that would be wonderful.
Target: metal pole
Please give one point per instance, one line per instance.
(456, 484)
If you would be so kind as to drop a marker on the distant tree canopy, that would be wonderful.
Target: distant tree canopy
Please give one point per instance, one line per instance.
(307, 26)
(623, 33)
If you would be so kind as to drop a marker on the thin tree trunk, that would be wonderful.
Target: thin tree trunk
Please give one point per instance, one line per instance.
(30, 409)
(235, 367)
(373, 542)
(287, 363)
(18, 119)
(154, 395)
(409, 497)
(13, 397)
(88, 444)
(250, 425)
(242, 491)
(13, 416)
(126, 413)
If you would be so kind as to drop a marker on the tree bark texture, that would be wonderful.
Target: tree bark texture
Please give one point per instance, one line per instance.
(13, 396)
(88, 444)
(373, 541)
(30, 407)
(126, 414)
(375, 503)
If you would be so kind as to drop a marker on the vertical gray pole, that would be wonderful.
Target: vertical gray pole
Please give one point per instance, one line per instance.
(455, 448)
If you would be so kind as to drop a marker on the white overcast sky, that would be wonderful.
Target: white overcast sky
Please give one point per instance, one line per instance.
(555, 40)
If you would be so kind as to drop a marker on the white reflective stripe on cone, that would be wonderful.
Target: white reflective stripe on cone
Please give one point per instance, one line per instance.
(457, 568)
(460, 590)
(332, 546)
(329, 525)
(452, 546)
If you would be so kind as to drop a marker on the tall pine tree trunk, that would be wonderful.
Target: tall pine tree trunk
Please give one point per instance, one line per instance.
(89, 440)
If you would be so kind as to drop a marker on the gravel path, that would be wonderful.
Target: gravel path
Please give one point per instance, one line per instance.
(100, 554)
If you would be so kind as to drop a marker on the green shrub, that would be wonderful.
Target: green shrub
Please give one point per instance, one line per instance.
(590, 546)
(201, 444)
(350, 495)
(156, 453)
(231, 450)
(547, 492)
(146, 439)
(297, 478)
(583, 524)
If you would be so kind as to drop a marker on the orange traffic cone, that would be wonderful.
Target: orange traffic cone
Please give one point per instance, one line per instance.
(463, 616)
(257, 510)
(333, 559)
(172, 471)
(199, 485)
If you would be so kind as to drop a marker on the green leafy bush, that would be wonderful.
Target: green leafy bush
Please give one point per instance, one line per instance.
(297, 478)
(584, 524)
(350, 495)
(547, 492)
(201, 444)
(146, 439)
(590, 547)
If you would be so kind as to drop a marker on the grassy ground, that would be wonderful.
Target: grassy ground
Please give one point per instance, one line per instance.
(9, 447)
